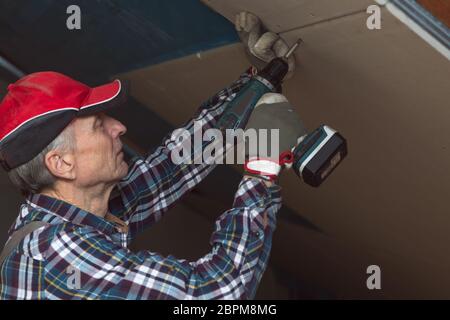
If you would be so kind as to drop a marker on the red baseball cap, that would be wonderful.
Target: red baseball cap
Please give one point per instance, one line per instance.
(39, 106)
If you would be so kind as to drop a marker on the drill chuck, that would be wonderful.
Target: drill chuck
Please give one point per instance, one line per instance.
(275, 71)
(268, 80)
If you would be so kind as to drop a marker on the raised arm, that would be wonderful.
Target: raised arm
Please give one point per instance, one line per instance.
(154, 183)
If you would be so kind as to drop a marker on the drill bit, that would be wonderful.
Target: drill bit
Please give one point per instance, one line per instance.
(292, 49)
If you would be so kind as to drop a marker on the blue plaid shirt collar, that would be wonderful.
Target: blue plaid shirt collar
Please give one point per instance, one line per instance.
(69, 212)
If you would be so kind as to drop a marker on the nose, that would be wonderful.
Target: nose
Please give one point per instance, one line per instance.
(121, 128)
(117, 128)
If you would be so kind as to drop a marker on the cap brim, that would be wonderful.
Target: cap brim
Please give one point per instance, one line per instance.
(16, 148)
(104, 97)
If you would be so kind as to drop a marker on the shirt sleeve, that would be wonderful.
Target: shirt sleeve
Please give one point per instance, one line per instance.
(232, 270)
(154, 183)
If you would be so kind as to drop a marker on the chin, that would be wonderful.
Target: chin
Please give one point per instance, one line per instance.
(124, 169)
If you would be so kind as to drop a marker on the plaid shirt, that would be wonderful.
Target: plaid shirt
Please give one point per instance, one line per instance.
(83, 256)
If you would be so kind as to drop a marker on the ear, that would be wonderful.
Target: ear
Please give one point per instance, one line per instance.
(61, 165)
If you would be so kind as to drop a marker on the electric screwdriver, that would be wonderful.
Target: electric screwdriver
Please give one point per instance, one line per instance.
(317, 154)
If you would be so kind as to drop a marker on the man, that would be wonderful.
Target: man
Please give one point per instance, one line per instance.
(84, 204)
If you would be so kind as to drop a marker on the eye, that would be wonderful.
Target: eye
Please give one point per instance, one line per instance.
(99, 122)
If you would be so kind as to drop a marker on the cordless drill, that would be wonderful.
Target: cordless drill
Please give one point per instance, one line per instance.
(238, 111)
(318, 152)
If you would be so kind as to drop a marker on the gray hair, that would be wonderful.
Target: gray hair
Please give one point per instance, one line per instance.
(33, 176)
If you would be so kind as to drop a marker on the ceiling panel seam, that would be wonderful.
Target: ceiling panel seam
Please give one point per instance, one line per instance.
(342, 16)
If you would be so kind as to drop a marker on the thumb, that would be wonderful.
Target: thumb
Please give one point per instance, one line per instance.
(270, 98)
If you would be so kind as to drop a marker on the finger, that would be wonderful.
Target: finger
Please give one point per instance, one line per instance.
(254, 33)
(237, 22)
(263, 47)
(243, 19)
(253, 37)
(252, 21)
(266, 41)
(280, 48)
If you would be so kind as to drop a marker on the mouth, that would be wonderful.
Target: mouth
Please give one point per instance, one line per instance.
(120, 150)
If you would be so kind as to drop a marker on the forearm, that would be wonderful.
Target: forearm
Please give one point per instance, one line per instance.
(256, 267)
(155, 183)
(245, 232)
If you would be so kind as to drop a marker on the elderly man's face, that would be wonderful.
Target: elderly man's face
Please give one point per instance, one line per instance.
(99, 157)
